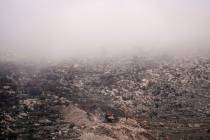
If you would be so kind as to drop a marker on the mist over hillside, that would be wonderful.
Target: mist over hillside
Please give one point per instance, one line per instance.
(52, 30)
(104, 69)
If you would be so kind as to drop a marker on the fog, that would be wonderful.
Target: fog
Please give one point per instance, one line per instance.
(58, 29)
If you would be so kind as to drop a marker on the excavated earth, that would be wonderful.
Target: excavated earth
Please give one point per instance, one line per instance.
(158, 98)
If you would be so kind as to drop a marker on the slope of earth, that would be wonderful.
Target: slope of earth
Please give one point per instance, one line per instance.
(164, 98)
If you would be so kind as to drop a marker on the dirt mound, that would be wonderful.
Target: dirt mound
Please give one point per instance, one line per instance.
(92, 128)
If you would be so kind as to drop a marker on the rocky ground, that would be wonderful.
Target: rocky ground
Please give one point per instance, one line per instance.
(158, 98)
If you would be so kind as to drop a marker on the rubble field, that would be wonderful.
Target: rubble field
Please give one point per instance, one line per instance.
(131, 98)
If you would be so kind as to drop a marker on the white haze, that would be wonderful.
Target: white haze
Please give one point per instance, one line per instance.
(86, 28)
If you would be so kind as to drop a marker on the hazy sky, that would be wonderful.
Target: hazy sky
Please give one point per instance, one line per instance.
(79, 27)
